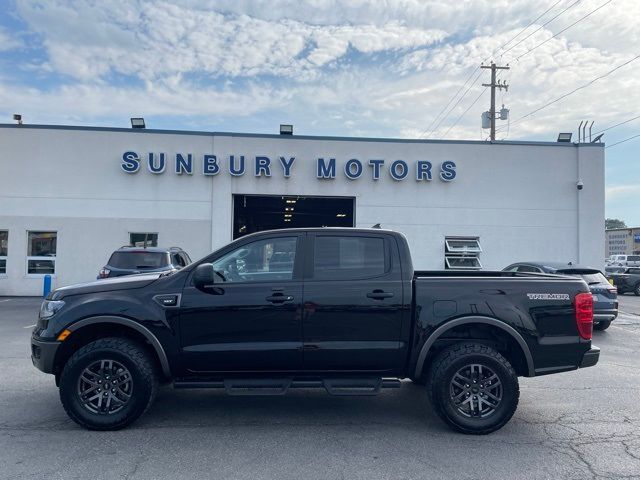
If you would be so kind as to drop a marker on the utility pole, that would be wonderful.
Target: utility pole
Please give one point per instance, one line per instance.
(492, 111)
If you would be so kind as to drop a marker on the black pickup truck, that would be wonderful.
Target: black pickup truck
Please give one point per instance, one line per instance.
(626, 280)
(340, 309)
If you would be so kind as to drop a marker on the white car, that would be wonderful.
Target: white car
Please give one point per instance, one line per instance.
(624, 260)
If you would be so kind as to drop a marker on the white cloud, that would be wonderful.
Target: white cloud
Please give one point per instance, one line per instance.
(614, 192)
(83, 102)
(198, 58)
(155, 40)
(8, 42)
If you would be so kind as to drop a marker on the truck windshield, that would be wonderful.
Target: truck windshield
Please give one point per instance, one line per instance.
(138, 260)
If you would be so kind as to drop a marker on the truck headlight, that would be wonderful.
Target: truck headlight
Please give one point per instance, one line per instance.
(50, 307)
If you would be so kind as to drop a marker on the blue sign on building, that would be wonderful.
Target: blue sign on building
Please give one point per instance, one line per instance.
(636, 238)
(326, 168)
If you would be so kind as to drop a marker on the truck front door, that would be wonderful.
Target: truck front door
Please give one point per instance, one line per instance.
(250, 319)
(353, 307)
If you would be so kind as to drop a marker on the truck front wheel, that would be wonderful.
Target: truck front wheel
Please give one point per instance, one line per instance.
(108, 384)
(474, 389)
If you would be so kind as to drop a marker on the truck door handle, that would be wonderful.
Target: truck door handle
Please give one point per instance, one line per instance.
(279, 298)
(379, 295)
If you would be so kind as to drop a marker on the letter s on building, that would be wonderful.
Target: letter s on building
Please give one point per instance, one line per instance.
(448, 171)
(130, 162)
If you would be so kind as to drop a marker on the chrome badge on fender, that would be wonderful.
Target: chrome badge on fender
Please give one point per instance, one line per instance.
(548, 296)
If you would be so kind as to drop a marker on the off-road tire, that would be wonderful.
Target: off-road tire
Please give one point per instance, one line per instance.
(134, 358)
(442, 371)
(601, 325)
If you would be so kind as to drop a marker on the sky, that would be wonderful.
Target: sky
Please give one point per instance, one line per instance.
(385, 68)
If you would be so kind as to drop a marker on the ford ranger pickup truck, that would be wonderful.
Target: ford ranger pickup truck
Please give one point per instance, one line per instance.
(336, 308)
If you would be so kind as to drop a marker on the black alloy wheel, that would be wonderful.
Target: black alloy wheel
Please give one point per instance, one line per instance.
(473, 388)
(105, 387)
(108, 383)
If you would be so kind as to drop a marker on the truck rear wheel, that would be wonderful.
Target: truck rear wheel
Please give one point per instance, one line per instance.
(474, 389)
(108, 384)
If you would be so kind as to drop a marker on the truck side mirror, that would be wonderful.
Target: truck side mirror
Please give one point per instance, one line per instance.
(204, 276)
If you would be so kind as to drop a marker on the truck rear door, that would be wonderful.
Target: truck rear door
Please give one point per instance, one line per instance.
(353, 308)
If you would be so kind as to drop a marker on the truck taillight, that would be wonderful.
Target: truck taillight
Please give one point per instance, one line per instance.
(613, 290)
(104, 273)
(584, 314)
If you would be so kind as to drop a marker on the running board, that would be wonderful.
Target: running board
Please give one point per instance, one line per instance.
(280, 386)
(270, 386)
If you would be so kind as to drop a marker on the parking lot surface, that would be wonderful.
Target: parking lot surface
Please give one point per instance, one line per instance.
(577, 425)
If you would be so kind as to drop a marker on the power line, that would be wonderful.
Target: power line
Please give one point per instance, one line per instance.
(617, 125)
(435, 129)
(428, 129)
(541, 27)
(530, 23)
(448, 103)
(564, 30)
(465, 112)
(622, 141)
(561, 97)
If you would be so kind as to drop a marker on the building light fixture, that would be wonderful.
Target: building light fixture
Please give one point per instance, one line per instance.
(291, 201)
(137, 122)
(289, 209)
(286, 129)
(341, 215)
(287, 219)
(287, 215)
(564, 137)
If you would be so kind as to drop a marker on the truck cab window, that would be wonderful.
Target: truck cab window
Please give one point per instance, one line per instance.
(262, 261)
(348, 258)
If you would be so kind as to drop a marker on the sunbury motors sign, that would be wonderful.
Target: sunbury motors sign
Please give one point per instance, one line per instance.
(264, 166)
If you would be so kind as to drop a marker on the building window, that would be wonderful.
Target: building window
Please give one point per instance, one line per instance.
(143, 239)
(41, 253)
(462, 253)
(4, 248)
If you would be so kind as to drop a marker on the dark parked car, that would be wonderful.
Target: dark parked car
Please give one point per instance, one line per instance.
(605, 296)
(340, 309)
(134, 260)
(627, 281)
(611, 269)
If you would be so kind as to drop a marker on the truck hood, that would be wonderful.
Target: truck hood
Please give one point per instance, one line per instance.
(106, 285)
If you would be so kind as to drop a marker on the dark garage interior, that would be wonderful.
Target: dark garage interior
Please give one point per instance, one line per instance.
(254, 213)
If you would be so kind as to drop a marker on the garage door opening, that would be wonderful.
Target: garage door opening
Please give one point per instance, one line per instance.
(254, 213)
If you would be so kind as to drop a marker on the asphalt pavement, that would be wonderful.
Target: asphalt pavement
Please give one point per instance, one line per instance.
(577, 425)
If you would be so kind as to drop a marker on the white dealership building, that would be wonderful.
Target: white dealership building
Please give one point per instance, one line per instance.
(70, 196)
